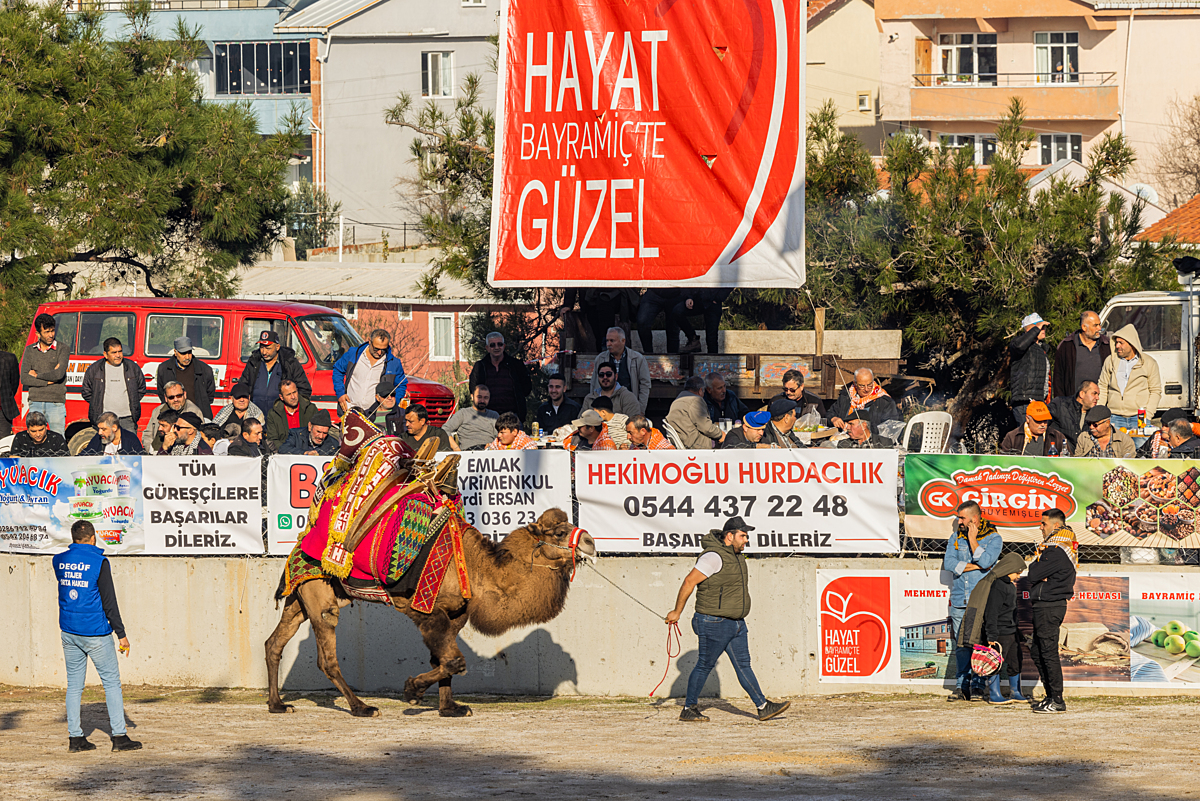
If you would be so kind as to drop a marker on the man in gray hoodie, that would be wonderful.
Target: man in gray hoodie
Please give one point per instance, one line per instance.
(44, 373)
(1129, 380)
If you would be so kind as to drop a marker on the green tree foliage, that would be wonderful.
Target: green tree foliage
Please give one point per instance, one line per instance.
(312, 218)
(955, 256)
(108, 154)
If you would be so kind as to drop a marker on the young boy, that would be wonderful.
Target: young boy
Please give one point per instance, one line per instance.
(1000, 626)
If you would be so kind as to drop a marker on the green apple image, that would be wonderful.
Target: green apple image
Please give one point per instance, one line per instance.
(1159, 637)
(1193, 648)
(1175, 644)
(1175, 627)
(1191, 635)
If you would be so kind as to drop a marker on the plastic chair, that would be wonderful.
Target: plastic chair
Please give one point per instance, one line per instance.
(935, 431)
(672, 435)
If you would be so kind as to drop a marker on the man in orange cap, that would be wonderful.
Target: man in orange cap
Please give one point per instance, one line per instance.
(1035, 437)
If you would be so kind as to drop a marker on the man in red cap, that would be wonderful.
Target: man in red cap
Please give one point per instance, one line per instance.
(1035, 437)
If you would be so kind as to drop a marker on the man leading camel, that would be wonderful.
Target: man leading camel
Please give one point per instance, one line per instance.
(722, 584)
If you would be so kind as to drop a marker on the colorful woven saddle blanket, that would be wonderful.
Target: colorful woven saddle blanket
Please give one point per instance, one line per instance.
(391, 546)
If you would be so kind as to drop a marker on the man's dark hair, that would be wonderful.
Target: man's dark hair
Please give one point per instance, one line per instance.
(379, 333)
(44, 321)
(694, 384)
(112, 342)
(211, 431)
(793, 375)
(508, 422)
(1056, 515)
(285, 383)
(602, 402)
(606, 368)
(82, 531)
(167, 418)
(965, 505)
(1083, 385)
(36, 419)
(484, 387)
(419, 410)
(555, 378)
(249, 424)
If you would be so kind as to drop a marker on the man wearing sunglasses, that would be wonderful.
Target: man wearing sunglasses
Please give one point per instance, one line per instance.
(176, 401)
(184, 439)
(505, 376)
(623, 401)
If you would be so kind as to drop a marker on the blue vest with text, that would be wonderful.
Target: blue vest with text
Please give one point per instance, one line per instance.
(80, 610)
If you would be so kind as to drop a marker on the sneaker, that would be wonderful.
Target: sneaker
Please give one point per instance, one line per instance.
(121, 742)
(80, 744)
(957, 695)
(692, 714)
(1050, 707)
(772, 709)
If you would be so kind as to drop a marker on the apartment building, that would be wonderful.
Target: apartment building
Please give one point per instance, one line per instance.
(948, 68)
(842, 65)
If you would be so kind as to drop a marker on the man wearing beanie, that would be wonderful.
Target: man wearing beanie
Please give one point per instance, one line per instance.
(313, 440)
(184, 438)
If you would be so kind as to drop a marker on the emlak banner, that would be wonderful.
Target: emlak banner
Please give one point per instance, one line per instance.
(649, 143)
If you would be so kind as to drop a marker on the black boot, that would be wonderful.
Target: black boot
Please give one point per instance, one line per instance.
(121, 742)
(80, 744)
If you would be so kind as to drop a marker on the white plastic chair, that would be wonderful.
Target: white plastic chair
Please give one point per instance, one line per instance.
(672, 435)
(935, 431)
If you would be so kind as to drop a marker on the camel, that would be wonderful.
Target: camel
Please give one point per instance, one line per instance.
(521, 581)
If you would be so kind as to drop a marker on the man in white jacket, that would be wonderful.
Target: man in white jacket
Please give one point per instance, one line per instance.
(1129, 381)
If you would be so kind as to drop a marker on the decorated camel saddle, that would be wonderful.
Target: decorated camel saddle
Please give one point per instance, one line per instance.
(384, 521)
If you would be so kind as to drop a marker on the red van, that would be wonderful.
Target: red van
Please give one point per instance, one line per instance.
(223, 333)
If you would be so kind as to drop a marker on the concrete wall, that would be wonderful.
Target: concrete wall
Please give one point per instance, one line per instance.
(202, 622)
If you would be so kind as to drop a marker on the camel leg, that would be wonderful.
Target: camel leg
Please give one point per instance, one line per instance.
(289, 624)
(324, 607)
(441, 637)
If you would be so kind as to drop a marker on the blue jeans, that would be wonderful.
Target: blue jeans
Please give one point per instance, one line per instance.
(103, 652)
(1131, 424)
(721, 635)
(962, 656)
(56, 414)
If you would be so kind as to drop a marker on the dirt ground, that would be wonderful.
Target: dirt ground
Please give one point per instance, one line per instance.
(222, 744)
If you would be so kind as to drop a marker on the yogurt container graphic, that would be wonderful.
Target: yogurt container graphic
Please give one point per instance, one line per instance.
(116, 515)
(87, 507)
(101, 481)
(124, 482)
(79, 479)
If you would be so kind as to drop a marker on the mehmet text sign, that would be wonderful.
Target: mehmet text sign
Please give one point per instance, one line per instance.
(649, 142)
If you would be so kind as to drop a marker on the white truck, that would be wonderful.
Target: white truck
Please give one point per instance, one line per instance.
(1166, 323)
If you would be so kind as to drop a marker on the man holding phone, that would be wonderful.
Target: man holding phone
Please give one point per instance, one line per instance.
(973, 548)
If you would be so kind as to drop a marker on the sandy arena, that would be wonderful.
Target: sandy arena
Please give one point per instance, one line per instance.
(222, 744)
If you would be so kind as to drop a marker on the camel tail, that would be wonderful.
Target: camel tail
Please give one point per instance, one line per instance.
(279, 592)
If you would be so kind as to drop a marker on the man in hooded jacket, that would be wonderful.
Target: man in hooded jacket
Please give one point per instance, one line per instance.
(1129, 381)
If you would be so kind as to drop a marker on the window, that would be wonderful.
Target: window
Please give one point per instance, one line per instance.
(262, 68)
(469, 349)
(95, 327)
(864, 101)
(1056, 147)
(968, 57)
(1159, 327)
(437, 74)
(64, 330)
(252, 328)
(983, 144)
(329, 337)
(204, 332)
(1057, 57)
(441, 337)
(350, 310)
(474, 3)
(404, 311)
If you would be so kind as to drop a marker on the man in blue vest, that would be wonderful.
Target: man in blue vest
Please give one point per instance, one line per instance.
(722, 603)
(88, 616)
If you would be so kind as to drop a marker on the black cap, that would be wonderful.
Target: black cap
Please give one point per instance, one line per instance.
(240, 391)
(386, 386)
(268, 336)
(859, 414)
(1172, 414)
(781, 406)
(1098, 413)
(736, 524)
(192, 419)
(321, 418)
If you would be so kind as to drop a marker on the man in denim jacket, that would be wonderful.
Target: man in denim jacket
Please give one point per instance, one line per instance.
(973, 548)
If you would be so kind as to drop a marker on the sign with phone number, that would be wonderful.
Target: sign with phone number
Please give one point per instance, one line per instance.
(816, 501)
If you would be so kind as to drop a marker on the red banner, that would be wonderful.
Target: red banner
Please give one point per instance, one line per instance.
(650, 143)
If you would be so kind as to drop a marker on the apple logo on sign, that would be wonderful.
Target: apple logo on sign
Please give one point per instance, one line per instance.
(855, 629)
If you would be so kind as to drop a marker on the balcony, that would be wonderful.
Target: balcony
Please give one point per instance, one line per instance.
(170, 5)
(985, 97)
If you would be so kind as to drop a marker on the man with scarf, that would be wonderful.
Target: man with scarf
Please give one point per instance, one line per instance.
(1051, 585)
(867, 397)
(973, 548)
(991, 617)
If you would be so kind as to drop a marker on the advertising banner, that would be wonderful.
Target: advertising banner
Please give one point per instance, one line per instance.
(501, 491)
(614, 168)
(1138, 502)
(817, 500)
(41, 498)
(202, 505)
(891, 627)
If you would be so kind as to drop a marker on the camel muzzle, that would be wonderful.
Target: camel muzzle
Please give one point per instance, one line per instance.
(580, 542)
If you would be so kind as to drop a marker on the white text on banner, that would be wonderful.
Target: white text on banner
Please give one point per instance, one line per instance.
(818, 500)
(202, 505)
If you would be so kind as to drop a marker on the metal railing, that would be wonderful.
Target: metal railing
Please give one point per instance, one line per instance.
(1014, 79)
(169, 5)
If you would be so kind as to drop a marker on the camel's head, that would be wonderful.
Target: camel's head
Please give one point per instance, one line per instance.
(563, 542)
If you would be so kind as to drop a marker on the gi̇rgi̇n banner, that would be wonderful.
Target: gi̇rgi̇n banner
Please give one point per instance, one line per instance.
(40, 499)
(1139, 502)
(501, 491)
(818, 500)
(202, 505)
(891, 627)
(649, 144)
